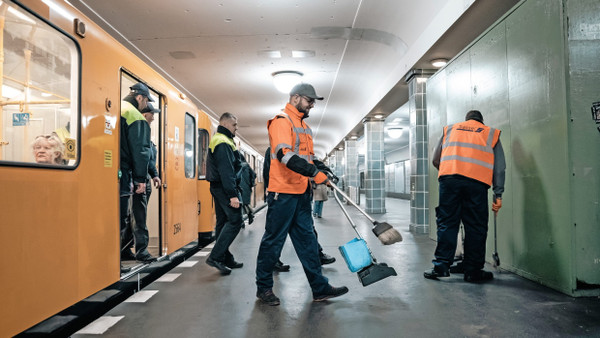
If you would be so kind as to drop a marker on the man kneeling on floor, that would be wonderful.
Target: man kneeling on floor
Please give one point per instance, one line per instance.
(470, 159)
(290, 197)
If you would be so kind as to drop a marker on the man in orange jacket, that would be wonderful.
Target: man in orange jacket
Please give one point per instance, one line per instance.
(470, 159)
(289, 198)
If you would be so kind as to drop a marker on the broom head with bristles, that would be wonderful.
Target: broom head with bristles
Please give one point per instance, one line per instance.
(386, 233)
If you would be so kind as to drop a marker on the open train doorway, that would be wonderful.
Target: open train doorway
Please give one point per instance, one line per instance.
(141, 244)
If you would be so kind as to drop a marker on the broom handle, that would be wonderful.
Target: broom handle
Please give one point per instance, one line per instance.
(352, 202)
(337, 199)
(347, 215)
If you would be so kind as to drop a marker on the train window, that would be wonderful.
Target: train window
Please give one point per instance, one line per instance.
(203, 139)
(39, 94)
(190, 142)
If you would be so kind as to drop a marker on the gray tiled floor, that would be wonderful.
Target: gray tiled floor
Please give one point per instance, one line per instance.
(201, 303)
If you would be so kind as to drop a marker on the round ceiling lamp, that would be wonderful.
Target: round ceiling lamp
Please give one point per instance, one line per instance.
(394, 132)
(439, 63)
(285, 80)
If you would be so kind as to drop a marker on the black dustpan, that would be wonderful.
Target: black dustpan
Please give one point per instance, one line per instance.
(375, 271)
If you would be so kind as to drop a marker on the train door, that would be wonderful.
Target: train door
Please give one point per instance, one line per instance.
(153, 195)
(205, 202)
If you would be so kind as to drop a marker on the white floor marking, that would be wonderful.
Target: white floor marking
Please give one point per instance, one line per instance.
(141, 296)
(187, 264)
(168, 277)
(100, 325)
(202, 254)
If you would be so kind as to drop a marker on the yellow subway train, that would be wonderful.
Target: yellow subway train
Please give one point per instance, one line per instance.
(63, 77)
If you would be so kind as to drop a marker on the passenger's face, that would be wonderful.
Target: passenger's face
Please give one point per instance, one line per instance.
(43, 151)
(231, 125)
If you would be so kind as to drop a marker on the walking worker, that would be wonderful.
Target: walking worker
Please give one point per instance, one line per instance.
(320, 195)
(223, 163)
(289, 198)
(247, 178)
(470, 159)
(134, 158)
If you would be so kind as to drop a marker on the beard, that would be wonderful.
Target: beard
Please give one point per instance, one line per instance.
(302, 110)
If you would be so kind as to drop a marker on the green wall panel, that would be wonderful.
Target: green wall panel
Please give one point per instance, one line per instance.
(489, 82)
(542, 235)
(584, 142)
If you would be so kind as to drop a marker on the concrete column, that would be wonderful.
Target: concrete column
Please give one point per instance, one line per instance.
(351, 171)
(374, 166)
(419, 169)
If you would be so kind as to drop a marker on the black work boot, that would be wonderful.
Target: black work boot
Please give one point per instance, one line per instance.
(331, 292)
(268, 297)
(280, 267)
(325, 258)
(436, 272)
(219, 265)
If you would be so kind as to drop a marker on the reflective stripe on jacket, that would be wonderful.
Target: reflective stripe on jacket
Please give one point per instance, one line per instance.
(288, 132)
(468, 150)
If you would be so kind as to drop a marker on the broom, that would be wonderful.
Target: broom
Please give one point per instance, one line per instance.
(495, 257)
(383, 230)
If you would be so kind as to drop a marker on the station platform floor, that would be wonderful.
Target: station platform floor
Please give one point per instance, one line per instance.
(194, 300)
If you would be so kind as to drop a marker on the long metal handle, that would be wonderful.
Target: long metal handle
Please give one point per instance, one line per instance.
(352, 202)
(347, 215)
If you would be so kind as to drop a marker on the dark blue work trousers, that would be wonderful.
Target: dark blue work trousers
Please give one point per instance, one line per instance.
(289, 214)
(466, 200)
(229, 223)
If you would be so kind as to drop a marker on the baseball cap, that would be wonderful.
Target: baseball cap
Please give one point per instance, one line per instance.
(141, 89)
(305, 89)
(150, 109)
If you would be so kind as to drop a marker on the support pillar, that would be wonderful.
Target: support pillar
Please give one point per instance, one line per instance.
(351, 170)
(419, 168)
(374, 166)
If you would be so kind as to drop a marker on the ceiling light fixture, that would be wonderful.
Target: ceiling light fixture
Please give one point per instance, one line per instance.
(353, 137)
(285, 80)
(394, 132)
(439, 63)
(378, 116)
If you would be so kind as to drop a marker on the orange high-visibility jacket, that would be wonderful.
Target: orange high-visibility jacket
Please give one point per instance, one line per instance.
(293, 136)
(468, 150)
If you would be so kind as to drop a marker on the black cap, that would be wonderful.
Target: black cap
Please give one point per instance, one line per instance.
(474, 115)
(150, 109)
(141, 89)
(305, 89)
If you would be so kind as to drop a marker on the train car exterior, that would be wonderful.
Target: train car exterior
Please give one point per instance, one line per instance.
(64, 77)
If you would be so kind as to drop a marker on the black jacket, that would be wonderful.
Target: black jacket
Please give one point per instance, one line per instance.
(223, 164)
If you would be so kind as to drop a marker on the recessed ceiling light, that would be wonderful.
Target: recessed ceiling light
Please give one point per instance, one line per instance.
(303, 53)
(285, 80)
(378, 116)
(439, 63)
(272, 54)
(353, 137)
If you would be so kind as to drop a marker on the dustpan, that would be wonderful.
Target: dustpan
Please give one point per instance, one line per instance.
(359, 257)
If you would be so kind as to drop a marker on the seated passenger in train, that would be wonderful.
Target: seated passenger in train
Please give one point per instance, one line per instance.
(48, 149)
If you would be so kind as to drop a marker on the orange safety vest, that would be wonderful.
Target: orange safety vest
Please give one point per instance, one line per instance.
(291, 134)
(468, 150)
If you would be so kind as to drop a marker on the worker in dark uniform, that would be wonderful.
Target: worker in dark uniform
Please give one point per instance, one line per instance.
(135, 156)
(153, 176)
(289, 199)
(222, 165)
(470, 159)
